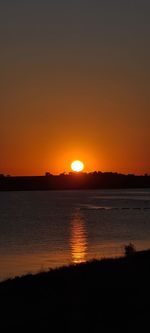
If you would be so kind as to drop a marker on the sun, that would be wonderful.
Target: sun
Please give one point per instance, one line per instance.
(77, 166)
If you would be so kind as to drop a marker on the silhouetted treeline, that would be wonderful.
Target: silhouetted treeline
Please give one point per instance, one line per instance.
(95, 180)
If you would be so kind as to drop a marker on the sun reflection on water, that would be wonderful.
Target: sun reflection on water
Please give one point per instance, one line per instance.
(78, 239)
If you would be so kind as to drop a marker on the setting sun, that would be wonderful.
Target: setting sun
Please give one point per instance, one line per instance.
(77, 166)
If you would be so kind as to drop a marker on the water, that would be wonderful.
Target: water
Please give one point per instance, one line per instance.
(46, 229)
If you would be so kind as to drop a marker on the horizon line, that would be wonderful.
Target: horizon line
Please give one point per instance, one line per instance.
(48, 174)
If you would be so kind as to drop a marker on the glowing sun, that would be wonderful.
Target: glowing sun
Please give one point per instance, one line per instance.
(77, 166)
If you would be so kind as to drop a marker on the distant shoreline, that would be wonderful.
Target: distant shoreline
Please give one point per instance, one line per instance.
(74, 181)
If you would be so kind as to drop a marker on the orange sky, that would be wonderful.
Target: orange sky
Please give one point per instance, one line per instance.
(75, 87)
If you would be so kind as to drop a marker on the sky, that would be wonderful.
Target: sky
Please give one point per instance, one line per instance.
(75, 82)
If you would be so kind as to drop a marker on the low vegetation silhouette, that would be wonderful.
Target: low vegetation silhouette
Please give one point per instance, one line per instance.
(129, 250)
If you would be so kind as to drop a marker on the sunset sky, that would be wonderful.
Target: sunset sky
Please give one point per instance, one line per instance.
(75, 84)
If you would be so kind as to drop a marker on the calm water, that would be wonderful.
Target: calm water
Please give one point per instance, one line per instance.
(39, 230)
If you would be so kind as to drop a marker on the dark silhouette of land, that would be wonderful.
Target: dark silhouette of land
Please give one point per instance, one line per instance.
(110, 295)
(94, 180)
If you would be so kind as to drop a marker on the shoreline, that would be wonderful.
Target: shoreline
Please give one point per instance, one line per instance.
(100, 294)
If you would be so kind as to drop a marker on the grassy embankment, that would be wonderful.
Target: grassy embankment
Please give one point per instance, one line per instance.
(100, 296)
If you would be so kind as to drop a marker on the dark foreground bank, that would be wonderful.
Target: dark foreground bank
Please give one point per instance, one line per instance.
(100, 296)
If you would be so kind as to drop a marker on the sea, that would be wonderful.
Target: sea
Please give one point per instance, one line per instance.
(40, 230)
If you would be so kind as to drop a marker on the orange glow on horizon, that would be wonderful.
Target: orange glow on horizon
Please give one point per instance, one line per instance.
(68, 98)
